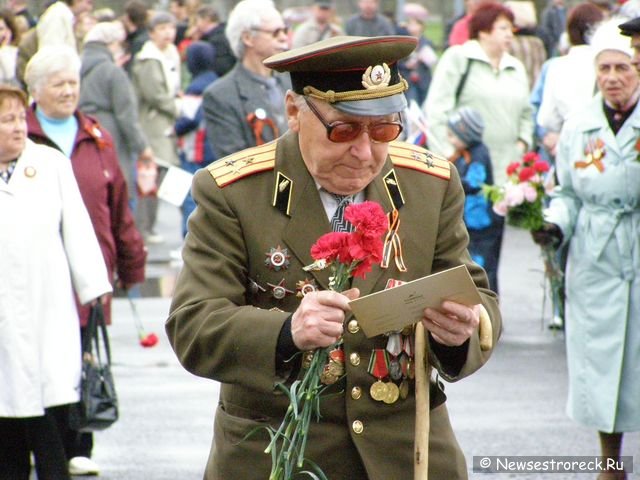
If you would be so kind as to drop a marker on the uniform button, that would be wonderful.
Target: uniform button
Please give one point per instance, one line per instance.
(356, 393)
(353, 326)
(358, 427)
(354, 358)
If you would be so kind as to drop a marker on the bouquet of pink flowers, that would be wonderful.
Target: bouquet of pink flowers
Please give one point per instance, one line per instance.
(521, 199)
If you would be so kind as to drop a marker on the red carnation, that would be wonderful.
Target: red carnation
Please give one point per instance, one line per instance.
(541, 166)
(363, 268)
(530, 158)
(526, 174)
(329, 246)
(149, 340)
(368, 218)
(513, 168)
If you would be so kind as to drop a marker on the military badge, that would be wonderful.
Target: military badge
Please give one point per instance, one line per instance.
(277, 259)
(279, 291)
(305, 286)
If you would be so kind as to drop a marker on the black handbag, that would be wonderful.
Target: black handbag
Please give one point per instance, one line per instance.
(98, 406)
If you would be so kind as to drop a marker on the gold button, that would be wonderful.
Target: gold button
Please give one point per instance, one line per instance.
(354, 358)
(353, 326)
(356, 393)
(358, 427)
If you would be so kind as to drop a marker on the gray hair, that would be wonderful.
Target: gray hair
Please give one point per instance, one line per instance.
(48, 61)
(246, 15)
(106, 32)
(299, 101)
(161, 18)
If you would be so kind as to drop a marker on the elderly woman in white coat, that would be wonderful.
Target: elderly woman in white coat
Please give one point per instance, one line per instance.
(48, 248)
(596, 210)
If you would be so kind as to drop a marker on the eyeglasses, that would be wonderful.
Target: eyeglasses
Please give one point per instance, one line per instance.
(274, 33)
(339, 132)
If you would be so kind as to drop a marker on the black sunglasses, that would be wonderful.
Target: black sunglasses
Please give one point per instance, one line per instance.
(339, 132)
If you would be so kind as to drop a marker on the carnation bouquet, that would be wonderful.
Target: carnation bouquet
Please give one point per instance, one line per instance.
(522, 200)
(348, 254)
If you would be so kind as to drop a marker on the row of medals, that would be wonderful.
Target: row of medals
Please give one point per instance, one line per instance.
(402, 358)
(401, 368)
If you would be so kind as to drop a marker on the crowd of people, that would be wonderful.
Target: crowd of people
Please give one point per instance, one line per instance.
(284, 124)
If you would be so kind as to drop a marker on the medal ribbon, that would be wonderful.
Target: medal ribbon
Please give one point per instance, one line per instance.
(392, 243)
(407, 347)
(394, 344)
(379, 363)
(258, 125)
(595, 153)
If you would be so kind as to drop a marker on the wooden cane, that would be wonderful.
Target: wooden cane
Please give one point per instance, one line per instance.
(421, 447)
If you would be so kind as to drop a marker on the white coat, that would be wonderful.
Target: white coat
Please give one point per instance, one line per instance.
(47, 242)
(598, 211)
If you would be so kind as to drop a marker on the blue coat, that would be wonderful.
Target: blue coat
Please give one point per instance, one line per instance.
(598, 210)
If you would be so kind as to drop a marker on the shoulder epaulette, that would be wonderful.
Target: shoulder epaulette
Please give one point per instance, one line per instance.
(412, 156)
(243, 164)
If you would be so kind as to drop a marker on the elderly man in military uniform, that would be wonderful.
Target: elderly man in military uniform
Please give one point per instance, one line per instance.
(244, 305)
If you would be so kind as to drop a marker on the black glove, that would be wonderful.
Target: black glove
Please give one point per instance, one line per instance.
(549, 235)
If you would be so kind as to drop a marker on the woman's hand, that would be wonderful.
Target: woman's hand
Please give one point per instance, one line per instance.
(549, 235)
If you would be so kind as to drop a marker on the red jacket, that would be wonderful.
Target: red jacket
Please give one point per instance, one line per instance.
(104, 191)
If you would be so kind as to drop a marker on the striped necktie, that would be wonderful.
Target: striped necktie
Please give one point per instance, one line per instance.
(338, 222)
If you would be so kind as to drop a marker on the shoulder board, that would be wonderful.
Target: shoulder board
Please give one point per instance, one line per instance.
(243, 164)
(412, 156)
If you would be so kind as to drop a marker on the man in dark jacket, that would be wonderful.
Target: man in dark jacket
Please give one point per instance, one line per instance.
(212, 30)
(245, 107)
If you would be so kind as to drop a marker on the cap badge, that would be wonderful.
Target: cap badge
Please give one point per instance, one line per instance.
(377, 76)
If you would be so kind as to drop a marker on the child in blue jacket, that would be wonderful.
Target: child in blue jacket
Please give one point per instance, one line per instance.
(473, 162)
(194, 148)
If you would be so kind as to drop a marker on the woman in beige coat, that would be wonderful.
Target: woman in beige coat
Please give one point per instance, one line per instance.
(156, 78)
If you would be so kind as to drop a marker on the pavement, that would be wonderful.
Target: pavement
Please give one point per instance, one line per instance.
(515, 405)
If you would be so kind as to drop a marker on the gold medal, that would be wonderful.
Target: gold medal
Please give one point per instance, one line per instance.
(378, 391)
(404, 389)
(393, 392)
(328, 378)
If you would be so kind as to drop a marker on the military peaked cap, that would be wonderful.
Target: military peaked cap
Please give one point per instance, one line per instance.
(358, 75)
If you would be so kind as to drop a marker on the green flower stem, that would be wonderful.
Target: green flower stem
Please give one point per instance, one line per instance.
(304, 397)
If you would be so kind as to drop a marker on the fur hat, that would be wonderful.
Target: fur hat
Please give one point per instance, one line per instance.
(467, 124)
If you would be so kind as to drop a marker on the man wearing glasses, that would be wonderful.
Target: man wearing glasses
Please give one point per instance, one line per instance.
(244, 108)
(244, 307)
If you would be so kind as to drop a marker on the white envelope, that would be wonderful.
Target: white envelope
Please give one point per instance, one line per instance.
(175, 185)
(393, 309)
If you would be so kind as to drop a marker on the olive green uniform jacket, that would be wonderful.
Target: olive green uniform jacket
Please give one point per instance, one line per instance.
(224, 321)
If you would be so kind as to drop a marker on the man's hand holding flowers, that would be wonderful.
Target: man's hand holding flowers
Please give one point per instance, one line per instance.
(319, 320)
